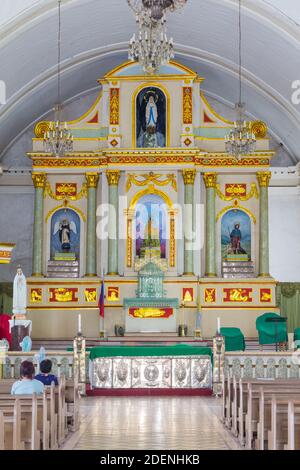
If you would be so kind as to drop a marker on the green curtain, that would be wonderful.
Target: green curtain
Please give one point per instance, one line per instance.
(6, 298)
(288, 300)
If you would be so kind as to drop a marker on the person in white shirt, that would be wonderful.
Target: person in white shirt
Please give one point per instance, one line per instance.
(27, 385)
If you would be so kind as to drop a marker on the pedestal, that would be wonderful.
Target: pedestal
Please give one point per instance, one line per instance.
(18, 333)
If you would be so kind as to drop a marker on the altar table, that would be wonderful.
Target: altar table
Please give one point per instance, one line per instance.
(151, 367)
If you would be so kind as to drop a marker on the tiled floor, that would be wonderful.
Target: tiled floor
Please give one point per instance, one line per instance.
(169, 423)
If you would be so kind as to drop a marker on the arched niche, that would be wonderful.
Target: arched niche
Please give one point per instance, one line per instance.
(151, 216)
(68, 220)
(236, 234)
(151, 117)
(157, 204)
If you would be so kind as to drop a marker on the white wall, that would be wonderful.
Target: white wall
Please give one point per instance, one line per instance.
(284, 206)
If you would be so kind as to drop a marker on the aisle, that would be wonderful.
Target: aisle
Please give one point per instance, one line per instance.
(151, 423)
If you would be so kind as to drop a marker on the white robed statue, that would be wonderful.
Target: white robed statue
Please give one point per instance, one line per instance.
(20, 293)
(151, 113)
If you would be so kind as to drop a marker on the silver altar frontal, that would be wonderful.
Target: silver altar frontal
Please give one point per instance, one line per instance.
(172, 372)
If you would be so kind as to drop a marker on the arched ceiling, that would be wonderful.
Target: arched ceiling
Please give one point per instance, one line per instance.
(95, 39)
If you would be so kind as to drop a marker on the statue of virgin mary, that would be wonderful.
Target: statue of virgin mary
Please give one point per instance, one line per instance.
(19, 293)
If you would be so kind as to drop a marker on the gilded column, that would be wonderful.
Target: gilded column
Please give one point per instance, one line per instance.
(91, 239)
(210, 180)
(39, 181)
(113, 178)
(189, 180)
(263, 178)
(130, 216)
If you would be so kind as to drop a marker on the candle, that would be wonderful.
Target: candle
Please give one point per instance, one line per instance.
(79, 323)
(218, 325)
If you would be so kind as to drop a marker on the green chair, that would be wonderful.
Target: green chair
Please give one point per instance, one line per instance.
(234, 339)
(297, 337)
(271, 333)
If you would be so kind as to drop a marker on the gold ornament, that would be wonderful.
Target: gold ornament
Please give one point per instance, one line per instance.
(236, 194)
(189, 176)
(36, 295)
(65, 205)
(39, 180)
(172, 241)
(129, 243)
(263, 178)
(210, 180)
(41, 128)
(259, 129)
(64, 192)
(236, 206)
(113, 177)
(151, 178)
(187, 105)
(114, 106)
(92, 180)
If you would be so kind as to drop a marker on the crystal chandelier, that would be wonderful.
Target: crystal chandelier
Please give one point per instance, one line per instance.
(151, 47)
(241, 140)
(58, 140)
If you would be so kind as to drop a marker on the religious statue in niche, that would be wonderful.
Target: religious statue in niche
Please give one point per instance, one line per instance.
(151, 118)
(65, 233)
(236, 235)
(64, 228)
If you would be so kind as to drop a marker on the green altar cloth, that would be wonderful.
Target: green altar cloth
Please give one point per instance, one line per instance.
(271, 333)
(297, 337)
(141, 351)
(234, 339)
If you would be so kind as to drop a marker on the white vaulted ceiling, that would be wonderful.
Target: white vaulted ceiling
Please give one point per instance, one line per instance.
(95, 39)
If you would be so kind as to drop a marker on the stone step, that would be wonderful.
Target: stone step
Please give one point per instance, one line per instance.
(55, 275)
(237, 275)
(237, 263)
(63, 263)
(238, 270)
(63, 269)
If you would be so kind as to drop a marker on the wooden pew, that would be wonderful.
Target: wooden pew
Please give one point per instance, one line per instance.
(226, 414)
(72, 399)
(254, 419)
(1, 430)
(286, 412)
(265, 421)
(47, 418)
(21, 415)
(64, 407)
(235, 413)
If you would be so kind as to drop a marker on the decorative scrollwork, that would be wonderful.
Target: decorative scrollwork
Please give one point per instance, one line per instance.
(187, 105)
(236, 206)
(153, 178)
(65, 195)
(288, 290)
(259, 129)
(237, 193)
(40, 129)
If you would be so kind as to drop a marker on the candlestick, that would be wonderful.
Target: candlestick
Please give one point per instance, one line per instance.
(218, 325)
(79, 324)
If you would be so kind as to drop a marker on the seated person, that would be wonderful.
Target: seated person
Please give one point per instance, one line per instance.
(27, 385)
(44, 376)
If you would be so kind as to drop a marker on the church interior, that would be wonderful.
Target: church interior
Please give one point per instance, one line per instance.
(149, 217)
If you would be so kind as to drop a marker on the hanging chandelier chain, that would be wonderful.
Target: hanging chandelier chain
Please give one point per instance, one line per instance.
(59, 52)
(241, 141)
(240, 49)
(58, 140)
(59, 62)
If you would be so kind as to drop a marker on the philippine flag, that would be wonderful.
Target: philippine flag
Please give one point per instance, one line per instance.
(101, 299)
